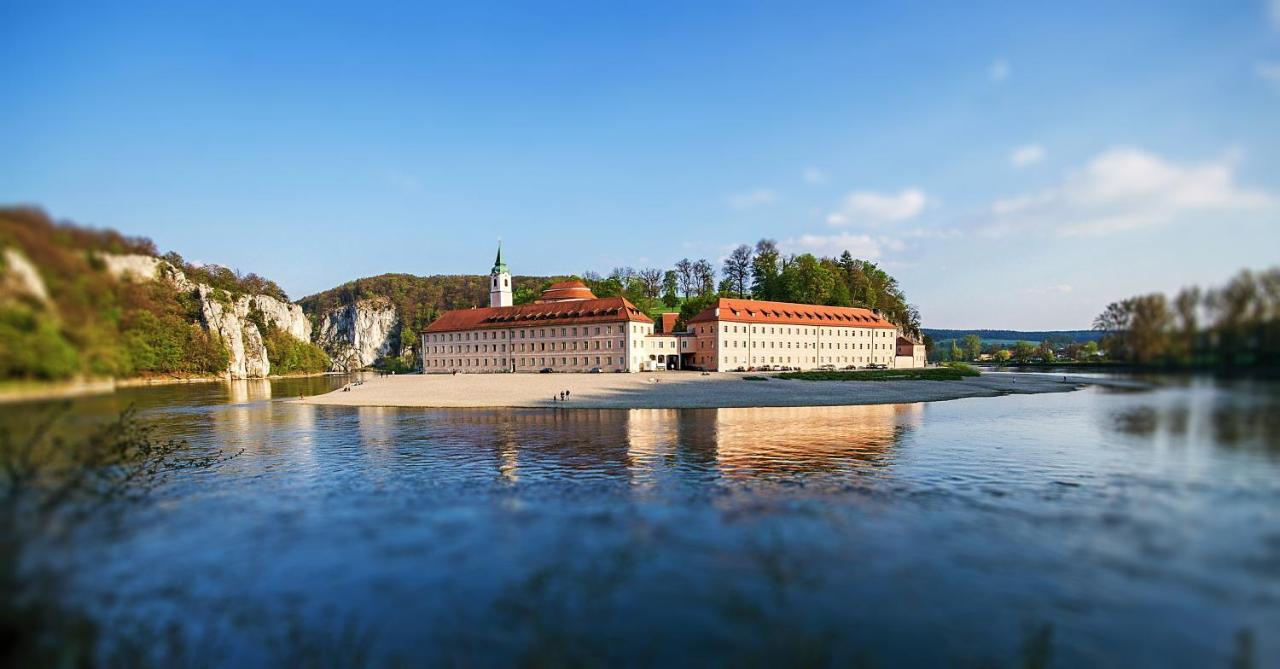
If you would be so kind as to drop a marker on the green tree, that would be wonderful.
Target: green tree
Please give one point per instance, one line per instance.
(1023, 351)
(806, 280)
(737, 270)
(972, 346)
(764, 270)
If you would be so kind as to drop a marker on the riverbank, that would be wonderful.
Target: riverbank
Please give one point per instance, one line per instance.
(39, 391)
(678, 390)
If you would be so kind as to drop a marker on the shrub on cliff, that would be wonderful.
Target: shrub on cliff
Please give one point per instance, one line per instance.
(31, 346)
(288, 355)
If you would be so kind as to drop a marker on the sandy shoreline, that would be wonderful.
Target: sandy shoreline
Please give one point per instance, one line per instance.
(677, 390)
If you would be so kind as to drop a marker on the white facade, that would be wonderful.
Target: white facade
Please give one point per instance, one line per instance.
(612, 347)
(729, 345)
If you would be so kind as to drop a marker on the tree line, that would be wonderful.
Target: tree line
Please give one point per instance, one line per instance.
(1233, 325)
(971, 348)
(761, 272)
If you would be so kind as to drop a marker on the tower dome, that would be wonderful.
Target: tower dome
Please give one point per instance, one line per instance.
(566, 291)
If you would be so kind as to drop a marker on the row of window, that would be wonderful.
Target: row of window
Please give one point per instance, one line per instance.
(786, 359)
(529, 333)
(742, 343)
(522, 347)
(504, 363)
(730, 328)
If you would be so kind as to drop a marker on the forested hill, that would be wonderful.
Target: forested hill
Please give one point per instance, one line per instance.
(67, 310)
(418, 299)
(1009, 336)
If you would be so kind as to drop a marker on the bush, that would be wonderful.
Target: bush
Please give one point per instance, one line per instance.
(964, 369)
(32, 346)
(288, 355)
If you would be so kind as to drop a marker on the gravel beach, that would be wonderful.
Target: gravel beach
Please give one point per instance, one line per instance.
(678, 390)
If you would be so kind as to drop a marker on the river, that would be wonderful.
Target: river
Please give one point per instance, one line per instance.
(1093, 528)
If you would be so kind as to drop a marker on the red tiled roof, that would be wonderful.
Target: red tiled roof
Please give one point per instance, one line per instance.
(787, 313)
(598, 310)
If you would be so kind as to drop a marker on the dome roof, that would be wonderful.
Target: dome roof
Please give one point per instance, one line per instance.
(566, 291)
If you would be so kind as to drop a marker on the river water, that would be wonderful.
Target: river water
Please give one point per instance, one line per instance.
(1093, 528)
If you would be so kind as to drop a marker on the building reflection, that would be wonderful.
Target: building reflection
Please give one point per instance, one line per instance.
(798, 440)
(647, 446)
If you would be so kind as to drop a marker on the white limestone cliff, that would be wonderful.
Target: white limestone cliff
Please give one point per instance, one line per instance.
(18, 276)
(219, 312)
(359, 334)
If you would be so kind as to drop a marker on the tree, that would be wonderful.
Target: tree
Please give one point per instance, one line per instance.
(1187, 307)
(737, 269)
(670, 283)
(1137, 328)
(764, 270)
(1003, 355)
(972, 346)
(805, 280)
(651, 279)
(705, 277)
(1046, 351)
(957, 353)
(1022, 351)
(688, 278)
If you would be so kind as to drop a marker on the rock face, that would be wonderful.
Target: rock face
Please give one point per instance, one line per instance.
(359, 334)
(19, 277)
(219, 312)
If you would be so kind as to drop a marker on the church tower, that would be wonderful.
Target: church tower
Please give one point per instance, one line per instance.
(499, 282)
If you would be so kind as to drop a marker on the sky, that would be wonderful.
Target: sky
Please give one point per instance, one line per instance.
(1014, 165)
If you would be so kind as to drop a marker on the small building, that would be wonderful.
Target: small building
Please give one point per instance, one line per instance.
(911, 353)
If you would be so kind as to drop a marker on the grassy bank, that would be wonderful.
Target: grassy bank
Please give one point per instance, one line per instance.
(949, 372)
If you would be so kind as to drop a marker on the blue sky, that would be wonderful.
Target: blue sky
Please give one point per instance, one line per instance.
(1014, 165)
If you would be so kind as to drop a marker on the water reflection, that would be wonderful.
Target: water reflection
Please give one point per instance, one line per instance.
(735, 533)
(1205, 414)
(640, 446)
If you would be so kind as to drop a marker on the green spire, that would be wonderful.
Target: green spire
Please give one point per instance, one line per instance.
(499, 267)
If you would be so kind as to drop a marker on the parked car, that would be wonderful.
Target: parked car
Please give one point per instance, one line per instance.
(546, 370)
(595, 370)
(877, 365)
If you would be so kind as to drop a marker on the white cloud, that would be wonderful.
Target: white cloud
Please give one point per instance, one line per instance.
(872, 207)
(1124, 189)
(860, 245)
(999, 70)
(1029, 154)
(1270, 71)
(752, 199)
(814, 175)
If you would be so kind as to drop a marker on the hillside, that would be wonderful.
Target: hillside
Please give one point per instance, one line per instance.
(376, 320)
(77, 301)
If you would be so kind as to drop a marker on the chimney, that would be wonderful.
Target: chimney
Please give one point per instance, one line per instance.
(667, 324)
